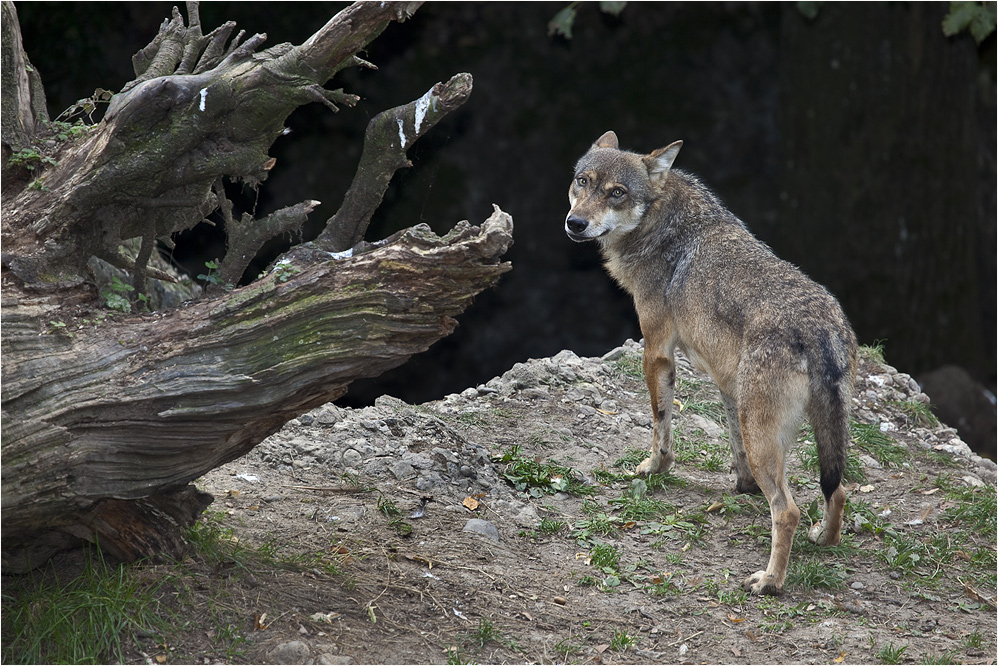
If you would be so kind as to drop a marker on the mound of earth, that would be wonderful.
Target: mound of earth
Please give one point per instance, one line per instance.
(502, 525)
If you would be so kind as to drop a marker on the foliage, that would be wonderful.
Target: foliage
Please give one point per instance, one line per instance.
(89, 620)
(115, 296)
(538, 478)
(561, 23)
(30, 159)
(977, 18)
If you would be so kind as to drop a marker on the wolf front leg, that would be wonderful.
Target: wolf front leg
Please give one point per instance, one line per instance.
(660, 374)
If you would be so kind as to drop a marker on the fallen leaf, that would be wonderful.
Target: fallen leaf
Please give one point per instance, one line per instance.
(470, 503)
(420, 559)
(561, 601)
(866, 489)
(526, 615)
(629, 524)
(716, 506)
(840, 658)
(735, 618)
(231, 493)
(603, 411)
(933, 491)
(259, 621)
(752, 635)
(735, 651)
(160, 658)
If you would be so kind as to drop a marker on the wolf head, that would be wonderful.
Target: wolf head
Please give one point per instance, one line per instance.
(612, 188)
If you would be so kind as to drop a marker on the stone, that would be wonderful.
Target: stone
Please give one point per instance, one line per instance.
(483, 527)
(292, 652)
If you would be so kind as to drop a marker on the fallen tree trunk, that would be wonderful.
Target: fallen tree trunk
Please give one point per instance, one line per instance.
(138, 407)
(108, 417)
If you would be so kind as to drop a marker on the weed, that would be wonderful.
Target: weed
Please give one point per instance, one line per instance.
(566, 647)
(454, 655)
(933, 658)
(115, 296)
(976, 509)
(634, 505)
(918, 414)
(605, 556)
(663, 585)
(874, 352)
(388, 508)
(889, 654)
(631, 458)
(283, 270)
(212, 276)
(629, 365)
(871, 439)
(678, 527)
(550, 526)
(92, 619)
(538, 478)
(621, 641)
(30, 159)
(973, 640)
(807, 574)
(808, 456)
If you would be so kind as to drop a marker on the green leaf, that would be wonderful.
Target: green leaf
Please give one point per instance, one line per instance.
(975, 17)
(561, 24)
(612, 8)
(809, 9)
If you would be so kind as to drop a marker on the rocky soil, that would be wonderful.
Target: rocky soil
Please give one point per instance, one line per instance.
(502, 525)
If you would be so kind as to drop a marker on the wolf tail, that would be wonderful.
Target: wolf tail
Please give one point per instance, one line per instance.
(832, 376)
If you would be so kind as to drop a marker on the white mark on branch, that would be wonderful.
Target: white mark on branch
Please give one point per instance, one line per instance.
(401, 134)
(422, 105)
(204, 96)
(345, 254)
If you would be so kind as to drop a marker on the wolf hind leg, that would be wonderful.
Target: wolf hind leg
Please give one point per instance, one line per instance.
(769, 417)
(660, 375)
(745, 482)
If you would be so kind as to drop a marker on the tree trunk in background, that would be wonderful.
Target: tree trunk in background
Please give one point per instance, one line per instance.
(107, 417)
(848, 111)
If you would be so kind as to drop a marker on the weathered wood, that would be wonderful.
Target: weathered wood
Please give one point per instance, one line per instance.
(137, 407)
(107, 417)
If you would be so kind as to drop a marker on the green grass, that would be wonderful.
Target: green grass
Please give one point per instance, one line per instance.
(854, 471)
(537, 478)
(808, 574)
(621, 641)
(891, 654)
(871, 439)
(874, 352)
(918, 414)
(92, 619)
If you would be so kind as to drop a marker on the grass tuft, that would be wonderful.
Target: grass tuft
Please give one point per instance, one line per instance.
(92, 619)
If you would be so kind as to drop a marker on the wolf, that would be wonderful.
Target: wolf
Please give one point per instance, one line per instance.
(776, 343)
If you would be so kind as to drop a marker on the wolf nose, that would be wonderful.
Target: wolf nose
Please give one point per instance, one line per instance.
(576, 224)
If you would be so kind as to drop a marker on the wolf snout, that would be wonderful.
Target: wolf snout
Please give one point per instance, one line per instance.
(575, 227)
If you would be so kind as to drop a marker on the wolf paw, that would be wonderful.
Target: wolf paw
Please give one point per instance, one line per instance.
(761, 583)
(819, 535)
(653, 466)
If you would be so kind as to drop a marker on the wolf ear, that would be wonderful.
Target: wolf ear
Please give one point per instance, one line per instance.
(660, 161)
(608, 140)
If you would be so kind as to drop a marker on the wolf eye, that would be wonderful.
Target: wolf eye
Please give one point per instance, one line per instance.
(617, 192)
(582, 181)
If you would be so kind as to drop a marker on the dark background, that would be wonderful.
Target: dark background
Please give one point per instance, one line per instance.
(859, 144)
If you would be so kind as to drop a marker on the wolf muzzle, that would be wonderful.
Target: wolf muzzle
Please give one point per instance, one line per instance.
(576, 227)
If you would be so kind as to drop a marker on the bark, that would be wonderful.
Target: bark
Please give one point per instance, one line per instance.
(106, 418)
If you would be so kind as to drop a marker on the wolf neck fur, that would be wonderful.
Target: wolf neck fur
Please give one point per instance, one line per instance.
(681, 211)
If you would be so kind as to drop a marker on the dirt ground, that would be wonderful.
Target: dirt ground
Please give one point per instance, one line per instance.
(343, 537)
